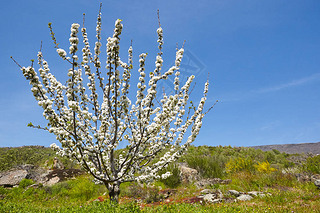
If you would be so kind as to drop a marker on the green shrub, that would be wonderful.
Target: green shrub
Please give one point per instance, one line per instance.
(239, 164)
(312, 164)
(173, 180)
(137, 191)
(84, 188)
(264, 167)
(133, 190)
(207, 166)
(152, 195)
(24, 183)
(59, 189)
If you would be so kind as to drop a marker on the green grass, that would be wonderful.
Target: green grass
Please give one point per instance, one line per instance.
(81, 194)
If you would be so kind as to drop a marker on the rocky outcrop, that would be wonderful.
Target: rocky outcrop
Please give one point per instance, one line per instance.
(12, 177)
(211, 196)
(187, 174)
(40, 175)
(211, 182)
(306, 177)
(244, 197)
(190, 175)
(57, 164)
(59, 175)
(216, 196)
(317, 183)
(234, 193)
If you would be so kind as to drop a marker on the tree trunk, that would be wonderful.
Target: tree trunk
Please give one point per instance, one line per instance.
(114, 191)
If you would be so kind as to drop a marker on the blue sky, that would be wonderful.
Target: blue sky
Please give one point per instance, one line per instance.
(263, 58)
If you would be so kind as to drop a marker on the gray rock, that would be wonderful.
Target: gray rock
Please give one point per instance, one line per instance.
(200, 196)
(52, 181)
(303, 177)
(210, 182)
(234, 192)
(315, 177)
(207, 191)
(244, 197)
(12, 177)
(258, 194)
(187, 174)
(57, 164)
(212, 198)
(254, 193)
(217, 201)
(59, 175)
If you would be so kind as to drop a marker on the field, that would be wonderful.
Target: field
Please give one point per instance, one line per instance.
(272, 173)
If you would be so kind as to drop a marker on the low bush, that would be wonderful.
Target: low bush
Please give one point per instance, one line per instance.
(24, 183)
(207, 166)
(312, 164)
(239, 164)
(132, 190)
(264, 167)
(173, 181)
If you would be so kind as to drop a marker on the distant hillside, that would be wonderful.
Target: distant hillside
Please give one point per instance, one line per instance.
(293, 148)
(36, 155)
(15, 156)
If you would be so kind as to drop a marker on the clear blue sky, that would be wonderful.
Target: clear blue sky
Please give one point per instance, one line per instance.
(263, 58)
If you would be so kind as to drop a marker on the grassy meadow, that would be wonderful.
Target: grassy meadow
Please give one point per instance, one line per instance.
(249, 169)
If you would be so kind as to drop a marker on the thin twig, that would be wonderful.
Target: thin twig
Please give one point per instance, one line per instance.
(83, 20)
(40, 47)
(15, 62)
(184, 42)
(52, 35)
(211, 107)
(195, 83)
(158, 13)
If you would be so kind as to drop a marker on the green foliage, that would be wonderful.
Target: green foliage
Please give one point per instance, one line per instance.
(84, 188)
(24, 183)
(11, 157)
(207, 166)
(35, 155)
(60, 189)
(312, 164)
(212, 161)
(264, 167)
(133, 190)
(136, 191)
(97, 207)
(152, 195)
(208, 161)
(173, 180)
(81, 188)
(239, 164)
(78, 195)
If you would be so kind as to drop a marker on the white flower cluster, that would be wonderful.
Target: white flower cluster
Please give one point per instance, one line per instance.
(98, 42)
(62, 53)
(90, 126)
(74, 38)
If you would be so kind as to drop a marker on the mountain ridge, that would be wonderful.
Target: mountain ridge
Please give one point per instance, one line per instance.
(313, 148)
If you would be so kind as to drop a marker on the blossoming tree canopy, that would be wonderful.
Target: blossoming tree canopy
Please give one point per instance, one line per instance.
(92, 113)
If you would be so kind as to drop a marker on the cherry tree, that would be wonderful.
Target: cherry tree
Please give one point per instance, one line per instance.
(92, 113)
